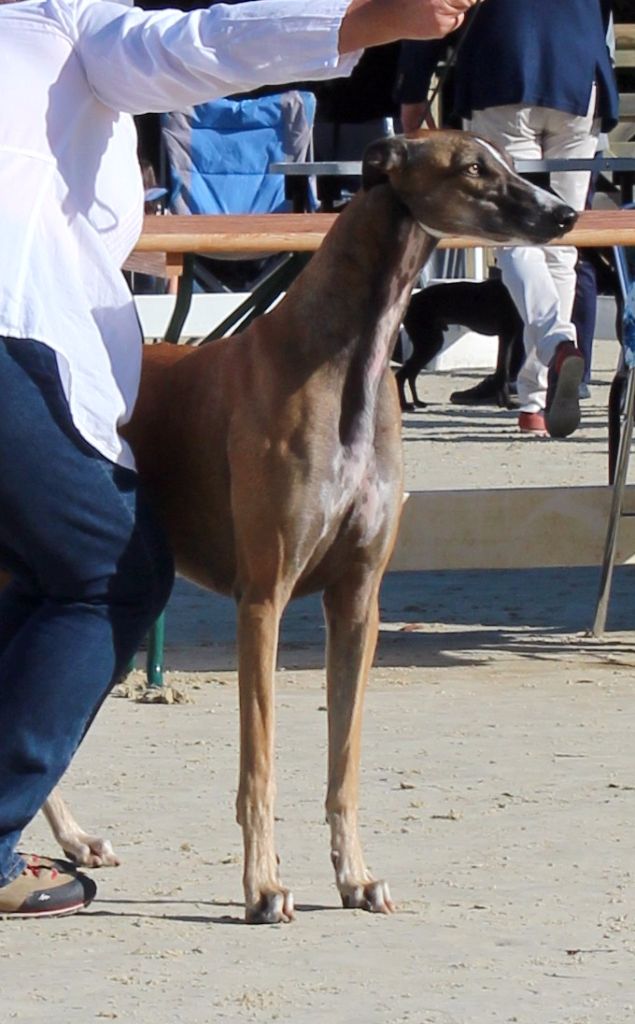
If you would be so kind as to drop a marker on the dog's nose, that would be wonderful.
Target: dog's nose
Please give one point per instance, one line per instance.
(565, 217)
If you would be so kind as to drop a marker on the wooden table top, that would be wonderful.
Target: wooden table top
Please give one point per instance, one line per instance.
(304, 232)
(170, 238)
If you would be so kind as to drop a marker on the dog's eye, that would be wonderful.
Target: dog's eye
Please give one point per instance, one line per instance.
(474, 170)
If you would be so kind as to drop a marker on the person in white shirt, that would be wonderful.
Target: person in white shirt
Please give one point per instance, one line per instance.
(89, 564)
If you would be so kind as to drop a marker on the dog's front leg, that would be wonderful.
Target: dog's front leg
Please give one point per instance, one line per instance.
(266, 901)
(84, 849)
(352, 618)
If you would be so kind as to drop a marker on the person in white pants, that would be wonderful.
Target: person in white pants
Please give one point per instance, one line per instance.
(542, 279)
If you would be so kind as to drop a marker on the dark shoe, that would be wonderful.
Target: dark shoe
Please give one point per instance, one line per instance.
(487, 392)
(532, 423)
(46, 888)
(562, 408)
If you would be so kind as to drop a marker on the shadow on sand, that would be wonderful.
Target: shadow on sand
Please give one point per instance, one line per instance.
(428, 619)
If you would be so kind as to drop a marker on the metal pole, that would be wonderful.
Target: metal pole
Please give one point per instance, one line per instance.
(623, 456)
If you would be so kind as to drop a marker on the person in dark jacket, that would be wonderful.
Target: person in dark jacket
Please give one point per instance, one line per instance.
(535, 78)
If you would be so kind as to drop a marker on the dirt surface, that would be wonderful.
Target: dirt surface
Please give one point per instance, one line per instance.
(498, 798)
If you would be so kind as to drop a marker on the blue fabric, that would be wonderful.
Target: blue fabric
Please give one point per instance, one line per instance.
(526, 53)
(584, 312)
(230, 146)
(91, 571)
(629, 326)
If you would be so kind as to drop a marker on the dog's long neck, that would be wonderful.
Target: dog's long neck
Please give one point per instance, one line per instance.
(355, 297)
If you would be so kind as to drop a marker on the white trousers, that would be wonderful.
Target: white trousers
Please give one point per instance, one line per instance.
(541, 279)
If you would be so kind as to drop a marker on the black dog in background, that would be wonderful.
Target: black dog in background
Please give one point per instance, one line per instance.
(482, 306)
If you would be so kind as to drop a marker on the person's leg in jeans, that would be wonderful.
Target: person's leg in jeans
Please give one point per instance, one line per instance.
(584, 313)
(91, 572)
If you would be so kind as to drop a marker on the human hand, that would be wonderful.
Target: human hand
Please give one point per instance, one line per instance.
(372, 22)
(431, 19)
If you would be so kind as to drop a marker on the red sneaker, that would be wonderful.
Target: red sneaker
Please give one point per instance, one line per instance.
(562, 408)
(532, 423)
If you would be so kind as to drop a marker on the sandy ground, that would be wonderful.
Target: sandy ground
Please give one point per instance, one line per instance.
(498, 793)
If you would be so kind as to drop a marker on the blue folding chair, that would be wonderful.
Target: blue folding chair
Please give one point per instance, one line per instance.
(621, 413)
(218, 156)
(219, 153)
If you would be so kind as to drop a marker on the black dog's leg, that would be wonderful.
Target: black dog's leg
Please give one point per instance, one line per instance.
(400, 377)
(427, 341)
(495, 388)
(510, 358)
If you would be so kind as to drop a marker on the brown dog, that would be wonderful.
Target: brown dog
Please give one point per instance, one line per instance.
(275, 459)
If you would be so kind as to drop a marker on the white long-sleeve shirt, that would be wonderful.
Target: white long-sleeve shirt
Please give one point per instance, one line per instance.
(71, 198)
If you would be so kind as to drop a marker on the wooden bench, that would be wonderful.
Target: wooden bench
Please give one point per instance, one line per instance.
(173, 238)
(625, 45)
(168, 244)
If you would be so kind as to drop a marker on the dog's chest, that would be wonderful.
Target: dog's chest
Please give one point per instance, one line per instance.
(354, 490)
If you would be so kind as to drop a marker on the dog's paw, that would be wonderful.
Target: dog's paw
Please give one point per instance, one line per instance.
(91, 852)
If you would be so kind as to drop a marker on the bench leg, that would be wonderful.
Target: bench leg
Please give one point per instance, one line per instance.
(261, 298)
(184, 290)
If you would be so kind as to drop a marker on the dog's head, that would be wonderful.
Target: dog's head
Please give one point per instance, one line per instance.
(456, 183)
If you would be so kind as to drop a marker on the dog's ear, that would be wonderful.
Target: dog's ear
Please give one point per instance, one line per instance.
(381, 158)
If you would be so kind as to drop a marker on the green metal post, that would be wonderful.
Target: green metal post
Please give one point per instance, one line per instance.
(154, 657)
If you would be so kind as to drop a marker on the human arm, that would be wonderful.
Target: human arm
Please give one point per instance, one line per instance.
(372, 22)
(417, 63)
(140, 61)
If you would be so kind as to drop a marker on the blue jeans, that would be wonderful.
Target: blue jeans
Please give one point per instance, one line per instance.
(91, 572)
